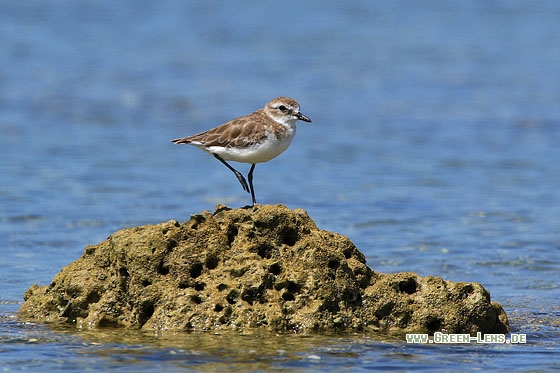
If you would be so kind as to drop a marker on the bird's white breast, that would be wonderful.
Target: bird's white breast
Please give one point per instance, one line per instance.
(270, 147)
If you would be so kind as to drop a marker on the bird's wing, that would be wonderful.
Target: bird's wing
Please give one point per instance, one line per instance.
(237, 133)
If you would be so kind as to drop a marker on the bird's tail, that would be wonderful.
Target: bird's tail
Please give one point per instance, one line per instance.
(183, 140)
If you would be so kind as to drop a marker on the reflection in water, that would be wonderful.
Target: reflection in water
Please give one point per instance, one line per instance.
(255, 350)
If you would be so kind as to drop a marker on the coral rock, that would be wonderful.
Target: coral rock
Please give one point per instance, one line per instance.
(264, 267)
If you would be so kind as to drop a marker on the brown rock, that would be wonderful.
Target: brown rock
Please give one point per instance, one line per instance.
(268, 267)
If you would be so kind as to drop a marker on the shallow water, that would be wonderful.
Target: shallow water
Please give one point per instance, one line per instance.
(434, 147)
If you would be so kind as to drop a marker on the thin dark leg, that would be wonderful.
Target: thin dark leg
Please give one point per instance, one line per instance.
(250, 177)
(237, 173)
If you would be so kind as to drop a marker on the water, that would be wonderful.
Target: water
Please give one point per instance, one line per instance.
(433, 147)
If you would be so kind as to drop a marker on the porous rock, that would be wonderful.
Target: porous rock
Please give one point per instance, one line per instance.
(264, 267)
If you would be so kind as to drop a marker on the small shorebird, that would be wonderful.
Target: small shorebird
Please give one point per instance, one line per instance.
(254, 138)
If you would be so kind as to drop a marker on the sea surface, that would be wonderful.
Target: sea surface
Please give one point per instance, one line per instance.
(434, 146)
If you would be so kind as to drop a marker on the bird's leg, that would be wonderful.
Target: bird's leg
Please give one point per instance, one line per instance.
(250, 177)
(237, 173)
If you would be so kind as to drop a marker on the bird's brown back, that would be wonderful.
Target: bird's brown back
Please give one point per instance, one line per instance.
(239, 133)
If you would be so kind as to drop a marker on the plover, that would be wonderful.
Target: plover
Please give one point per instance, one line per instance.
(254, 138)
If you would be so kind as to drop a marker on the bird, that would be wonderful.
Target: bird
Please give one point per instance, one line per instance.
(254, 138)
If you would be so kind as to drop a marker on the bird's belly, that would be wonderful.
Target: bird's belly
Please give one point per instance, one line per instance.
(263, 152)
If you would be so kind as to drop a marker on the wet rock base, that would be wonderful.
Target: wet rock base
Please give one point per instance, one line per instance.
(264, 267)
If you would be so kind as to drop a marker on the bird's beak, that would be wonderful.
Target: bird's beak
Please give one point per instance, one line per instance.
(300, 116)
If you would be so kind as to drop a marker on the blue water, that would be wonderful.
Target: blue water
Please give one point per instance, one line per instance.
(434, 147)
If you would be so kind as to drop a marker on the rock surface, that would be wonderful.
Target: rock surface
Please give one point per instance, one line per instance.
(268, 267)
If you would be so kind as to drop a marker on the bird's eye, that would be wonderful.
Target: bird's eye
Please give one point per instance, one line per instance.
(282, 108)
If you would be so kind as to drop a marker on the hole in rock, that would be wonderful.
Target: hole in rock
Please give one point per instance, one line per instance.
(408, 286)
(289, 236)
(265, 251)
(275, 269)
(183, 285)
(434, 324)
(287, 296)
(467, 290)
(146, 312)
(162, 269)
(232, 296)
(195, 221)
(212, 261)
(196, 270)
(252, 294)
(74, 292)
(350, 295)
(93, 297)
(171, 244)
(232, 233)
(106, 322)
(293, 287)
(333, 263)
(347, 253)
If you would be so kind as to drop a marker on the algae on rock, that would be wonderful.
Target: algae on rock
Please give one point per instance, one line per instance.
(264, 267)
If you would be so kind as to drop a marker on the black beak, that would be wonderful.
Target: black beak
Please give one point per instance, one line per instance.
(300, 116)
